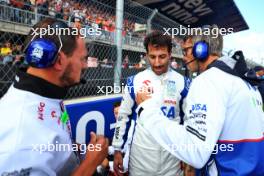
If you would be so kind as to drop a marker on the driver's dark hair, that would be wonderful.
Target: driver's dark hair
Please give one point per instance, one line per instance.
(158, 39)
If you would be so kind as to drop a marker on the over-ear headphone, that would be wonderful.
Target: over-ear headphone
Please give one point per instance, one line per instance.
(43, 52)
(201, 50)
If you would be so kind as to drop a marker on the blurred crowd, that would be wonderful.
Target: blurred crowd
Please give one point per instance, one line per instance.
(69, 10)
(10, 54)
(106, 63)
(93, 15)
(13, 53)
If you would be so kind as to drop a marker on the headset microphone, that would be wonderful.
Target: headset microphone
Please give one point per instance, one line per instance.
(83, 81)
(185, 64)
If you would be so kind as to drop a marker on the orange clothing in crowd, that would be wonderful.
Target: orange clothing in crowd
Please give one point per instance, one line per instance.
(17, 4)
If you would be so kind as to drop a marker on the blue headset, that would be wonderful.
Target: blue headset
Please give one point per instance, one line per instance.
(42, 52)
(201, 50)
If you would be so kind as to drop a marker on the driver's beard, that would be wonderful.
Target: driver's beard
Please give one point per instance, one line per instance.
(66, 78)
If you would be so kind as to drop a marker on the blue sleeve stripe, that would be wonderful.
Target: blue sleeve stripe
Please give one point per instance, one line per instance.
(130, 85)
(133, 116)
(184, 93)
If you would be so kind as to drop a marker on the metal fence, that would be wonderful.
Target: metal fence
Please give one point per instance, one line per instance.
(16, 20)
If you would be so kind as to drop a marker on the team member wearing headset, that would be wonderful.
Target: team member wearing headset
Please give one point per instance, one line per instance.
(34, 125)
(224, 120)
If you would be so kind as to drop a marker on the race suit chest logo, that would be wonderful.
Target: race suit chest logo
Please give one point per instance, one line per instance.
(41, 110)
(199, 107)
(198, 118)
(170, 97)
(146, 82)
(61, 118)
(146, 87)
(198, 113)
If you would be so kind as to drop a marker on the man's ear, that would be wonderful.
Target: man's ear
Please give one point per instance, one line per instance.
(61, 61)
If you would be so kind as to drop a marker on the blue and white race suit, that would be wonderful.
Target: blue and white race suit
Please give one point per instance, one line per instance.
(147, 157)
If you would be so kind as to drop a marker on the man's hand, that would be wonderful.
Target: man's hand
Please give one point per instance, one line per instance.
(187, 169)
(143, 94)
(105, 163)
(94, 157)
(118, 163)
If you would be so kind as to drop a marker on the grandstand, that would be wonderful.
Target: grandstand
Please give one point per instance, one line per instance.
(16, 18)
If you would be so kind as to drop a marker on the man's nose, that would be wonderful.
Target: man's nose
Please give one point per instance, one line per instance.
(157, 62)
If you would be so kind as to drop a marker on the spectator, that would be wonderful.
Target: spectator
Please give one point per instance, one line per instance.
(76, 13)
(58, 9)
(66, 14)
(17, 4)
(142, 63)
(52, 9)
(45, 7)
(6, 53)
(32, 2)
(125, 62)
(137, 66)
(174, 64)
(92, 62)
(106, 63)
(64, 9)
(260, 73)
(18, 54)
(4, 2)
(1, 58)
(65, 4)
(28, 7)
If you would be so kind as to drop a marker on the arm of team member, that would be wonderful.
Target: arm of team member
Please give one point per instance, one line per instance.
(123, 124)
(36, 162)
(194, 141)
(93, 158)
(182, 102)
